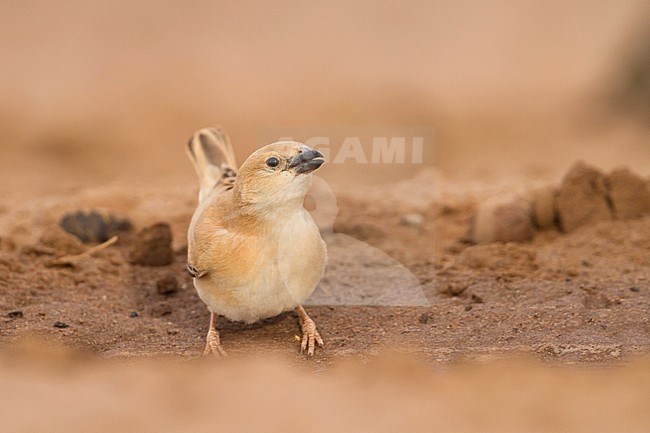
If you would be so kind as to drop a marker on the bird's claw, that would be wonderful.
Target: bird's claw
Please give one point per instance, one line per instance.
(310, 337)
(213, 344)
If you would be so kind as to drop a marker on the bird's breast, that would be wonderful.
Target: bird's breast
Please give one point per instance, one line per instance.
(263, 272)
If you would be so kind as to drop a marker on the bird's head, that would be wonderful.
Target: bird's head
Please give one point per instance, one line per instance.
(277, 175)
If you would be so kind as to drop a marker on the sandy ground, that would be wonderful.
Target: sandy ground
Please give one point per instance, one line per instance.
(582, 296)
(561, 299)
(82, 345)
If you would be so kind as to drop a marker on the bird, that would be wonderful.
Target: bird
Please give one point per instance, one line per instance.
(254, 251)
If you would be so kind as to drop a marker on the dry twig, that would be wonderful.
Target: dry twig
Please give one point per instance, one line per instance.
(73, 260)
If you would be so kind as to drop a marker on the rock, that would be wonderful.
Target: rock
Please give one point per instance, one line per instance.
(167, 285)
(93, 226)
(582, 197)
(412, 220)
(16, 314)
(500, 220)
(153, 246)
(542, 207)
(61, 325)
(629, 194)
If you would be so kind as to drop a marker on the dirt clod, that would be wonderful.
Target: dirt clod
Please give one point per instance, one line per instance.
(582, 197)
(167, 285)
(629, 194)
(502, 221)
(542, 207)
(153, 246)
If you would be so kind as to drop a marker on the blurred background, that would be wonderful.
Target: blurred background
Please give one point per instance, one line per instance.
(101, 91)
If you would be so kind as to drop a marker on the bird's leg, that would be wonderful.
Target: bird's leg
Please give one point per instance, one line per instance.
(212, 340)
(310, 335)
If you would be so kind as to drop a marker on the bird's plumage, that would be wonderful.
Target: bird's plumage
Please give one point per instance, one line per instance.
(212, 155)
(254, 249)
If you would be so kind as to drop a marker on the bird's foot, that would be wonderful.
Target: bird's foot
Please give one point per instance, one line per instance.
(213, 341)
(310, 335)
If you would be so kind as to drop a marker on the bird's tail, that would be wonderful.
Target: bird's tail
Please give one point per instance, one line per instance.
(211, 152)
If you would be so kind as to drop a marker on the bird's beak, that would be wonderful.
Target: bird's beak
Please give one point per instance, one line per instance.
(307, 161)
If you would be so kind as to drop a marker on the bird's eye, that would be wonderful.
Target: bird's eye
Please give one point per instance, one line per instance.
(272, 162)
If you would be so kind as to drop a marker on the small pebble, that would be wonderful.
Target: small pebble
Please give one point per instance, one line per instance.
(412, 220)
(134, 314)
(15, 314)
(454, 289)
(634, 289)
(61, 325)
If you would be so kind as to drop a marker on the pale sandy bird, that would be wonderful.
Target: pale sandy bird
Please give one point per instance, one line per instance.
(253, 249)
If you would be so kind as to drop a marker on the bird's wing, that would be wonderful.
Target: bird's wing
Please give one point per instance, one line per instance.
(210, 150)
(206, 230)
